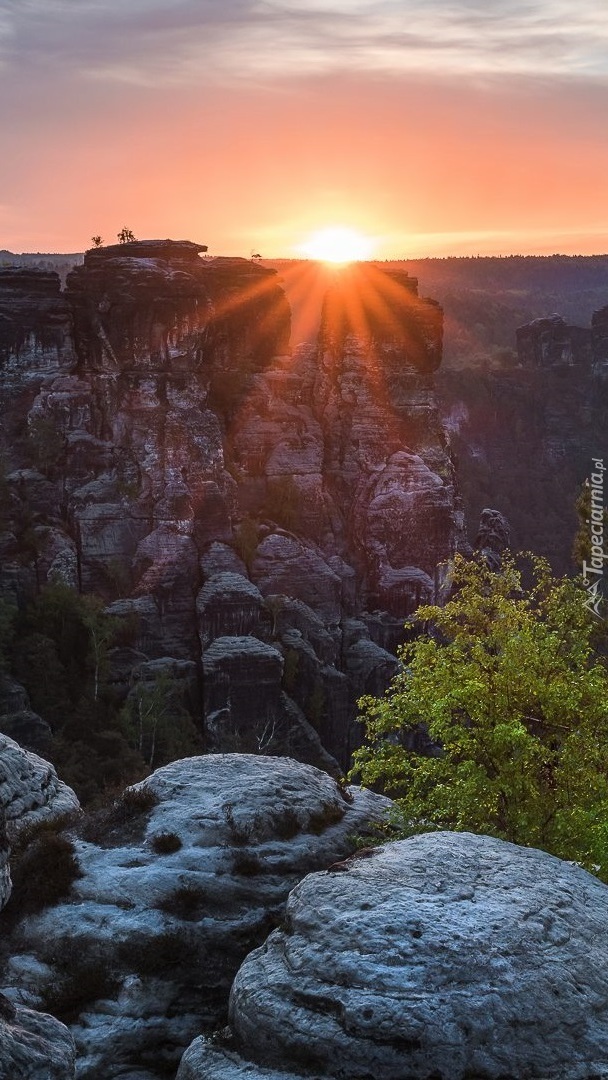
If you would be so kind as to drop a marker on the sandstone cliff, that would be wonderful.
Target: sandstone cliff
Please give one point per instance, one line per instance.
(268, 517)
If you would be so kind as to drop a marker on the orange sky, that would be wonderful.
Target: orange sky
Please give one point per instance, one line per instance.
(436, 129)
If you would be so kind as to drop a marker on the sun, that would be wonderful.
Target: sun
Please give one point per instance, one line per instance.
(338, 245)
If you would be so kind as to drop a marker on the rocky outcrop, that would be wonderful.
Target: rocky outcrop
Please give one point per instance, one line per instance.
(189, 872)
(446, 955)
(33, 1045)
(191, 470)
(493, 537)
(19, 721)
(30, 791)
(551, 342)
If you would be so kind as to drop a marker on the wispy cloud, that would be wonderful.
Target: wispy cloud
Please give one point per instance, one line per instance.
(193, 40)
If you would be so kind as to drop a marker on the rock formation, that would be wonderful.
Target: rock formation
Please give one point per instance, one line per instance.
(186, 875)
(32, 1045)
(30, 791)
(493, 537)
(446, 955)
(168, 453)
(551, 342)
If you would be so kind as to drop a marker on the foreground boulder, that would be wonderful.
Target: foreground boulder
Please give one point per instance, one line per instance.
(30, 790)
(448, 955)
(33, 1046)
(187, 874)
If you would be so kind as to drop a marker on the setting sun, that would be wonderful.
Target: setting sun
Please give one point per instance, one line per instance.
(338, 245)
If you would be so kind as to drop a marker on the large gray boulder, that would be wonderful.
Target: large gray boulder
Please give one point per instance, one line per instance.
(33, 1046)
(189, 874)
(30, 790)
(447, 955)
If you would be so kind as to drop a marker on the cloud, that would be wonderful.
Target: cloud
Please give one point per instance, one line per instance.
(190, 41)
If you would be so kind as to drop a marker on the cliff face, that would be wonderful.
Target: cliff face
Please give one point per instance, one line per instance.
(269, 517)
(524, 431)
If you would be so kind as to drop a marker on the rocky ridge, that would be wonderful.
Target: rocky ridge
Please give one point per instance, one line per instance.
(166, 451)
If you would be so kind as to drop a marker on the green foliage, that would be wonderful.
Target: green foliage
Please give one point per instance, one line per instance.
(581, 549)
(60, 654)
(157, 725)
(62, 648)
(514, 698)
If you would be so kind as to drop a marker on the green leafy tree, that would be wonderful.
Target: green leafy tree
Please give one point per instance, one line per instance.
(157, 725)
(515, 701)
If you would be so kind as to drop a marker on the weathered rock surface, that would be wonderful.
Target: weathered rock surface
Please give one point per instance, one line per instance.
(202, 1059)
(493, 537)
(446, 955)
(186, 877)
(30, 790)
(552, 342)
(33, 1045)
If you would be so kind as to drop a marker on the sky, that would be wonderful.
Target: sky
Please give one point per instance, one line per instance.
(434, 127)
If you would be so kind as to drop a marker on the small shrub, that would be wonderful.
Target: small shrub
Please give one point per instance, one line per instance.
(320, 820)
(344, 790)
(135, 801)
(240, 831)
(286, 824)
(87, 981)
(127, 814)
(42, 874)
(166, 843)
(247, 864)
(187, 902)
(158, 953)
